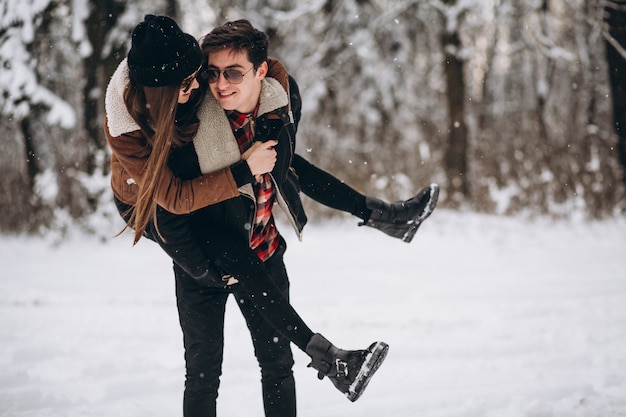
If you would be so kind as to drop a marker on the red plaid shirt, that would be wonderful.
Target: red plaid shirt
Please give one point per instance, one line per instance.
(264, 239)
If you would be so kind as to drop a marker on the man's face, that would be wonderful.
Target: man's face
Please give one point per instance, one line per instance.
(243, 96)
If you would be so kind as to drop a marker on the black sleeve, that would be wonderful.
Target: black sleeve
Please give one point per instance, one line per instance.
(296, 102)
(183, 161)
(241, 173)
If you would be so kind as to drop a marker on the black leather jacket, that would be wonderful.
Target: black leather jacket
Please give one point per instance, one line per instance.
(282, 126)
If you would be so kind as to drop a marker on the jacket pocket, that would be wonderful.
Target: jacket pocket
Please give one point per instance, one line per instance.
(124, 187)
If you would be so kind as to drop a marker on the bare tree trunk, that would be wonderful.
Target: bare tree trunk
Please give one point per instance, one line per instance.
(98, 68)
(615, 18)
(455, 159)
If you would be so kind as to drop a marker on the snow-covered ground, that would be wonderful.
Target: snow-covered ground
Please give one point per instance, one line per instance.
(486, 317)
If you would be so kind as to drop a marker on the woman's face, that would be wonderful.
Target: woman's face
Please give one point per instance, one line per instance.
(186, 88)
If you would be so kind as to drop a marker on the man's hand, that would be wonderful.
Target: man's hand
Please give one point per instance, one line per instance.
(261, 157)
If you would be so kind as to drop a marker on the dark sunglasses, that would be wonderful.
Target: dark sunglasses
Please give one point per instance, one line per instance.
(231, 75)
(185, 85)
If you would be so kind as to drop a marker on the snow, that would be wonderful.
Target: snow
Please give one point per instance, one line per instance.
(19, 84)
(485, 317)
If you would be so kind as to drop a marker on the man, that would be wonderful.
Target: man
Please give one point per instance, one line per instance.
(246, 108)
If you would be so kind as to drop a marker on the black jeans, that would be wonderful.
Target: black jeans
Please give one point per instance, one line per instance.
(201, 313)
(263, 287)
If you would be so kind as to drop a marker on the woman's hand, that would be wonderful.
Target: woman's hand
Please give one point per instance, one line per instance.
(261, 157)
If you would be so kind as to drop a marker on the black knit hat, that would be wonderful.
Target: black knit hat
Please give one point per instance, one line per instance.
(162, 54)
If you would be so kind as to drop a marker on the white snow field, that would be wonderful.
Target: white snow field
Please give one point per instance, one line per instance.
(485, 317)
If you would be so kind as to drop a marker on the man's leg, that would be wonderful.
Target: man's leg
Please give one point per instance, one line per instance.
(272, 350)
(201, 315)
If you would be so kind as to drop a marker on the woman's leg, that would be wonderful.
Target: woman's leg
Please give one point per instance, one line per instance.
(400, 219)
(329, 190)
(180, 243)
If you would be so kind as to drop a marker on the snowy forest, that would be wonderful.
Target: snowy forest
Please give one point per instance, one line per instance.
(513, 107)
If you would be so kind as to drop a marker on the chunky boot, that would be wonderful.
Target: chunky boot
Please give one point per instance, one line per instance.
(402, 218)
(349, 370)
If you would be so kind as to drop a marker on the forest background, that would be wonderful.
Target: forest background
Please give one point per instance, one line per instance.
(513, 107)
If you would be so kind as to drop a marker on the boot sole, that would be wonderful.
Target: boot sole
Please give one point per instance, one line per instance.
(375, 358)
(428, 210)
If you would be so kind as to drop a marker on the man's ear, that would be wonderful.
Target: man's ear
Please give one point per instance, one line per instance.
(261, 72)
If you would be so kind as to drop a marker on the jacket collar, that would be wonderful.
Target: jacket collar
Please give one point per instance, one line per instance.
(215, 142)
(119, 121)
(273, 96)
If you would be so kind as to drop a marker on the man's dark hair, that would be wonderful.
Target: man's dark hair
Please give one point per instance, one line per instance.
(239, 36)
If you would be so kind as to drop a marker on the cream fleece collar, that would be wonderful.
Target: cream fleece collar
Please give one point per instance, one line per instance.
(215, 142)
(119, 120)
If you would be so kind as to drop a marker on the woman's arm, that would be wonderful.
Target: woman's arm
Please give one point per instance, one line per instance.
(129, 157)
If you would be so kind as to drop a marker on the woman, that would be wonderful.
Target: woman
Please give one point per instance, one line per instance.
(152, 101)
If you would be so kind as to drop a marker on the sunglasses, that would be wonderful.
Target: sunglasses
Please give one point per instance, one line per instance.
(231, 75)
(185, 85)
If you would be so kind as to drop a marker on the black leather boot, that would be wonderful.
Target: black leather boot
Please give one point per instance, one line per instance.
(349, 370)
(402, 218)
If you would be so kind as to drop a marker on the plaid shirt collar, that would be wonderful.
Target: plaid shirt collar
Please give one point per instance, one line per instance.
(238, 119)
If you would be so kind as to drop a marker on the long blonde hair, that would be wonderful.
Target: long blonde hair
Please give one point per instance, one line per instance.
(165, 124)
